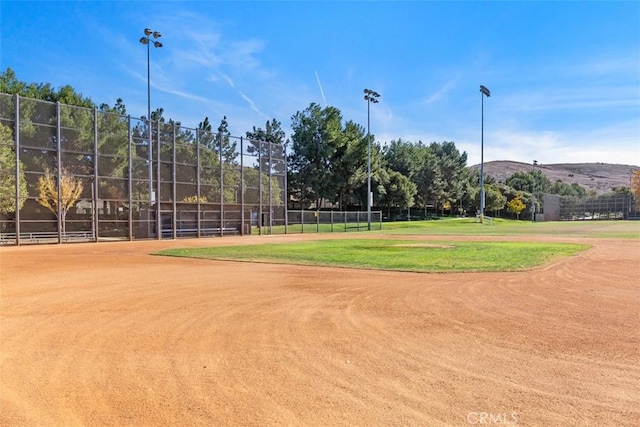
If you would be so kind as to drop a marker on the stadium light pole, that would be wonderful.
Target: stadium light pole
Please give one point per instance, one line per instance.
(483, 92)
(150, 37)
(371, 97)
(533, 192)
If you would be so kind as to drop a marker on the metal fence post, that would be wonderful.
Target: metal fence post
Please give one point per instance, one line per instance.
(94, 191)
(221, 185)
(260, 187)
(331, 215)
(286, 190)
(270, 175)
(198, 172)
(158, 173)
(242, 225)
(130, 183)
(59, 164)
(16, 134)
(174, 189)
(152, 198)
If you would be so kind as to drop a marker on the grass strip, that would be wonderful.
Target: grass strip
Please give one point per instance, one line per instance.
(397, 255)
(469, 227)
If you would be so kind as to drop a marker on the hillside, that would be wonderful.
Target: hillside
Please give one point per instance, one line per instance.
(598, 177)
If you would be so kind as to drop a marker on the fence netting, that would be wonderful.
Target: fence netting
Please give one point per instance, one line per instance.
(73, 173)
(597, 207)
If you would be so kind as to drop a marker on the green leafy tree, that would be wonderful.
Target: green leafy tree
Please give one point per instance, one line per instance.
(521, 181)
(272, 133)
(10, 84)
(206, 137)
(224, 145)
(36, 119)
(328, 160)
(621, 189)
(113, 144)
(529, 181)
(398, 192)
(472, 186)
(451, 164)
(429, 178)
(8, 174)
(404, 157)
(209, 163)
(350, 166)
(252, 180)
(315, 140)
(469, 185)
(563, 189)
(494, 199)
(267, 145)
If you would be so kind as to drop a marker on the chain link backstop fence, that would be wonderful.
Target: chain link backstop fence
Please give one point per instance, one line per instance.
(71, 173)
(599, 207)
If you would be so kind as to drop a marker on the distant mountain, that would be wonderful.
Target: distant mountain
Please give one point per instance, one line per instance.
(598, 177)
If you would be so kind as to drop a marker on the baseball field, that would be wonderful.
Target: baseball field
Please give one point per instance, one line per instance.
(99, 334)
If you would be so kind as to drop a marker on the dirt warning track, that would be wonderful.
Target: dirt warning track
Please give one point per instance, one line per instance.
(106, 334)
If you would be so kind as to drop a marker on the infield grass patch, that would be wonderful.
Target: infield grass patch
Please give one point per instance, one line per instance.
(391, 254)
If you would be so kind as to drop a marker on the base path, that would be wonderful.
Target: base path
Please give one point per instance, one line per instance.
(107, 334)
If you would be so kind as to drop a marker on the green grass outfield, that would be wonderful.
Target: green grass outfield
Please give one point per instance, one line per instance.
(392, 254)
(469, 227)
(506, 227)
(399, 251)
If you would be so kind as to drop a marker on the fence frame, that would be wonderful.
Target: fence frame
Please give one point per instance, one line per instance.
(88, 139)
(332, 218)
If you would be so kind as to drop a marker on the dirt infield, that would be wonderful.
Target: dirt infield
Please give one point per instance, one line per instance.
(106, 334)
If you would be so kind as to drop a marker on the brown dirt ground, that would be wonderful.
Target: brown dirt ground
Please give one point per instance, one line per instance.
(106, 334)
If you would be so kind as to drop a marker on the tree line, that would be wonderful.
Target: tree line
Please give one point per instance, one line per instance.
(327, 164)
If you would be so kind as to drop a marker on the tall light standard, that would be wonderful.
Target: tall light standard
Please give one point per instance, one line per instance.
(150, 37)
(483, 92)
(533, 192)
(371, 97)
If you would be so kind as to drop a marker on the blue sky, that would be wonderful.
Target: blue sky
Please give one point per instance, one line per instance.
(564, 76)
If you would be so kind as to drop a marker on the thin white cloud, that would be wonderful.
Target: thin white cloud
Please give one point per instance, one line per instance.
(621, 64)
(228, 80)
(181, 94)
(440, 93)
(200, 56)
(607, 145)
(574, 99)
(243, 53)
(251, 104)
(196, 51)
(542, 110)
(324, 100)
(203, 44)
